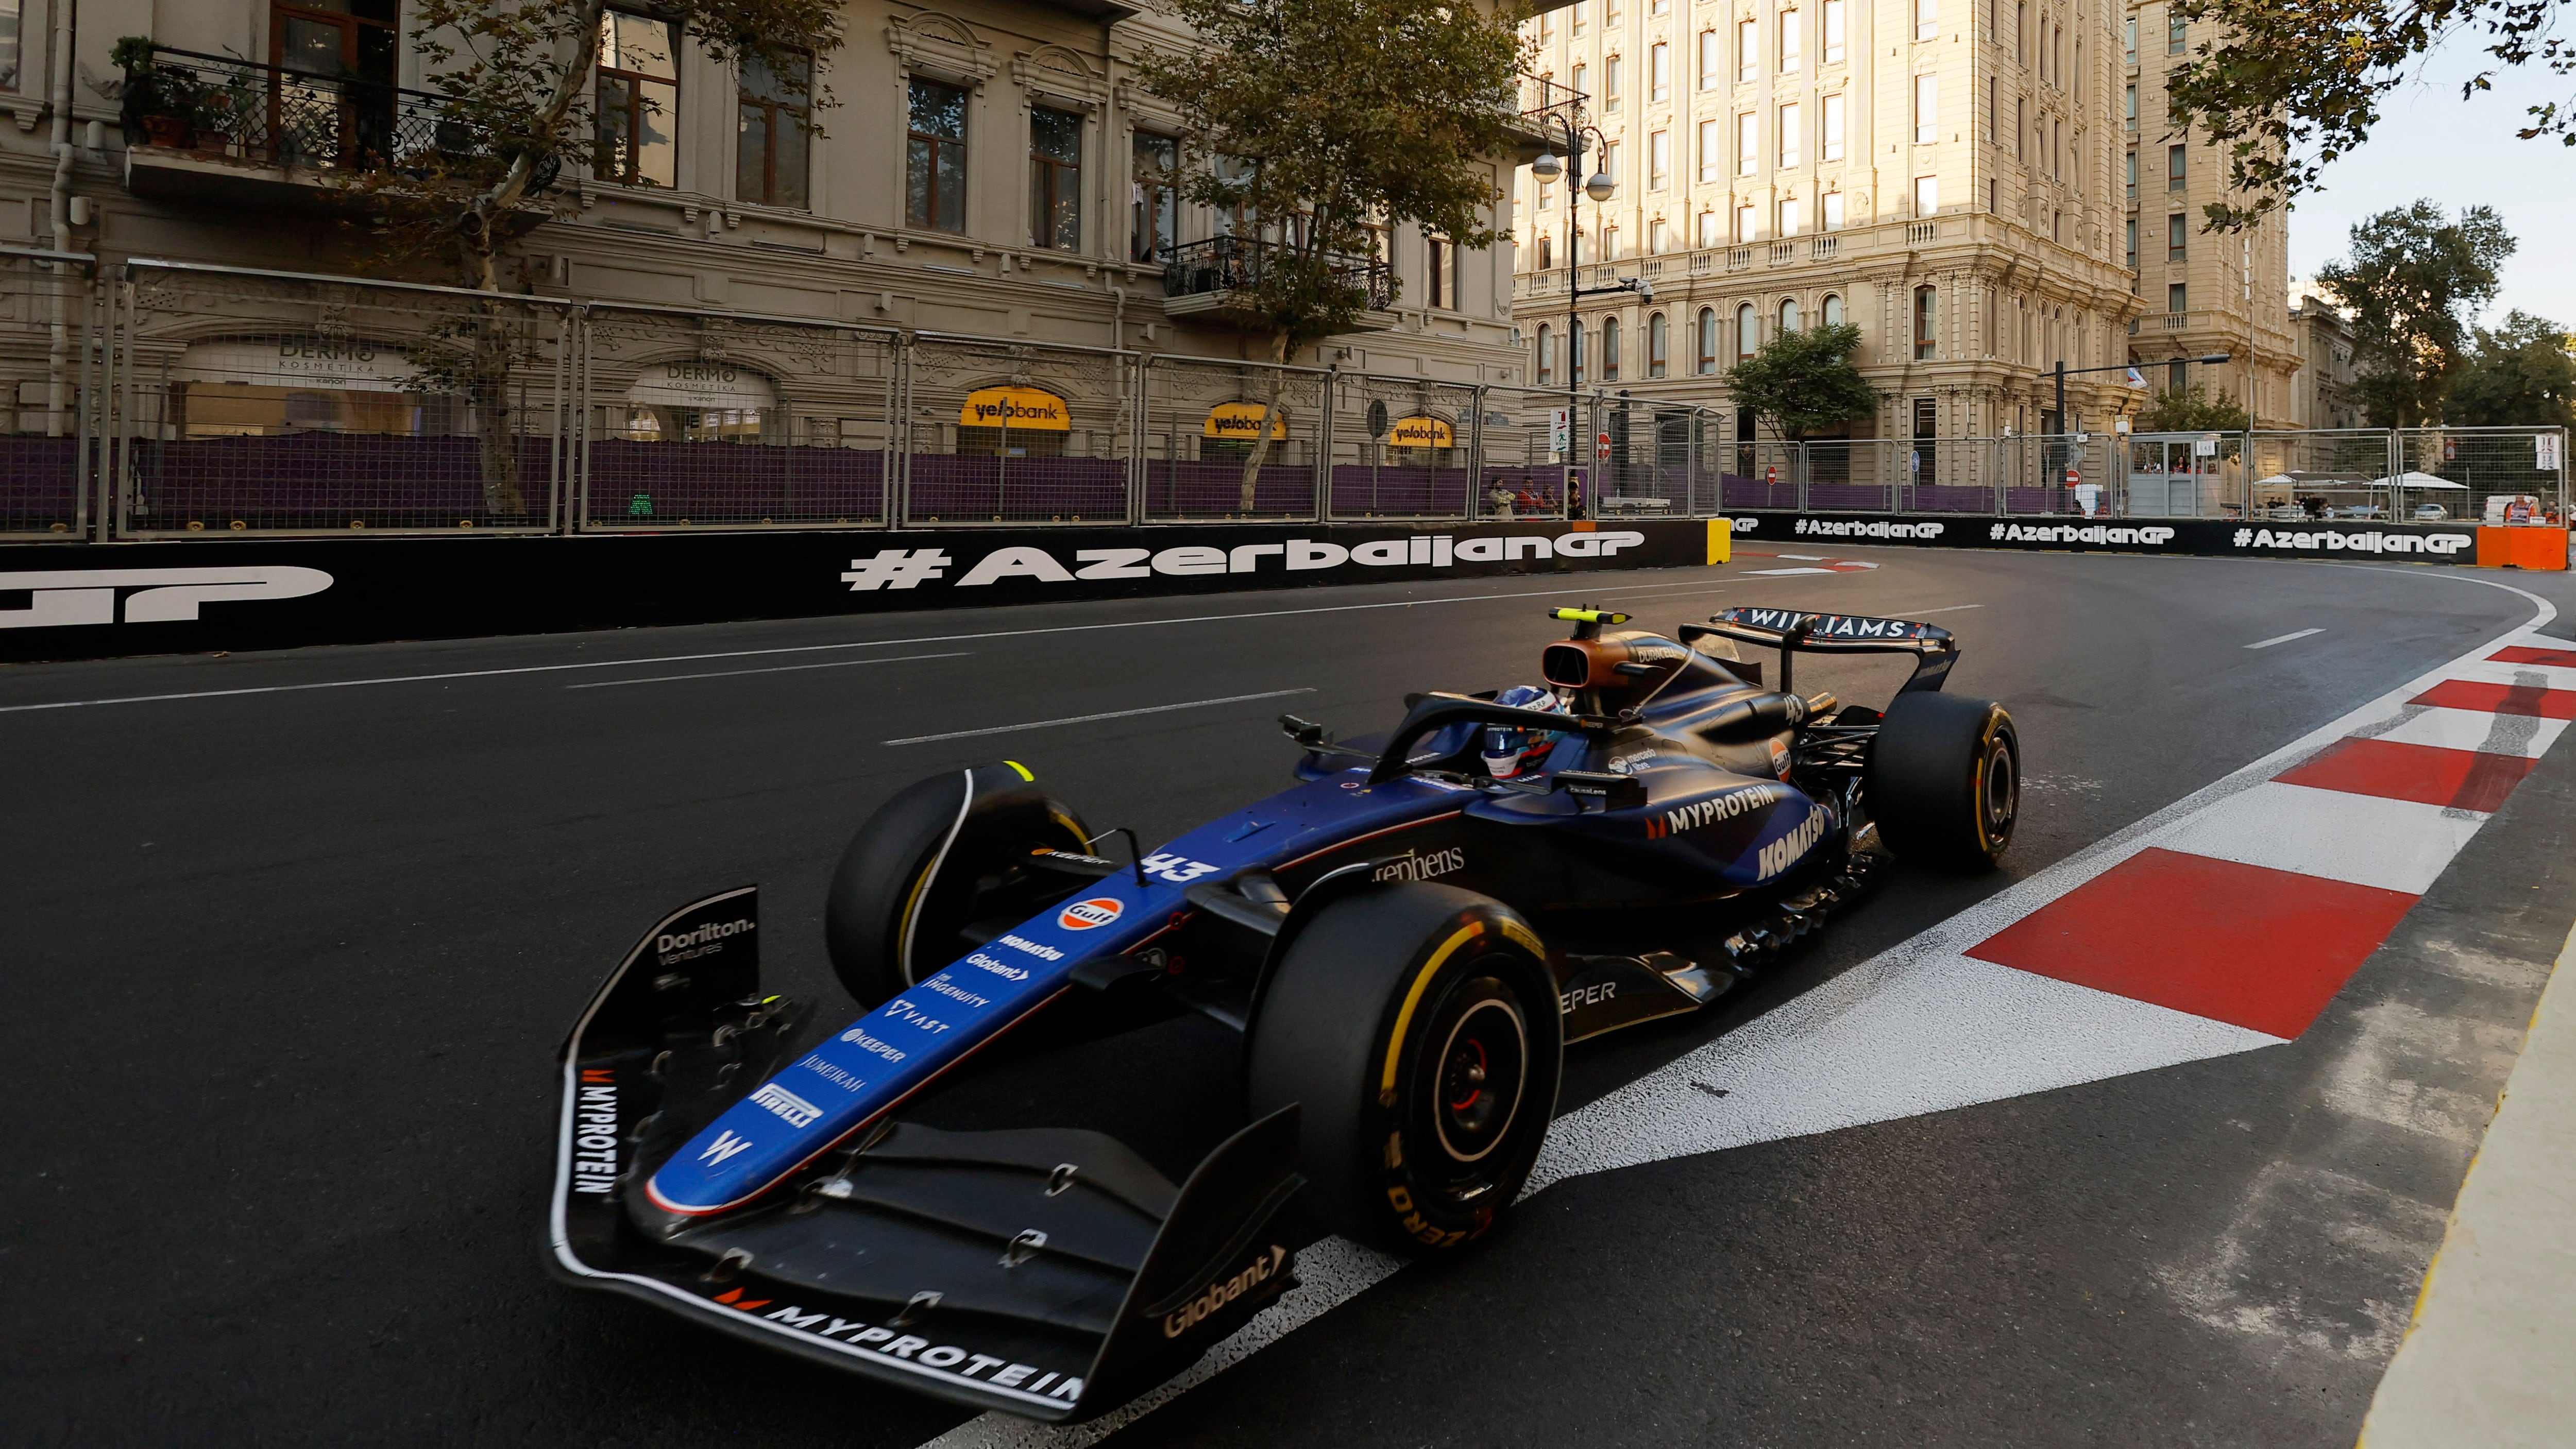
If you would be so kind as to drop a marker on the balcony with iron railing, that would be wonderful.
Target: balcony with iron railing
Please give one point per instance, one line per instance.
(222, 128)
(1214, 280)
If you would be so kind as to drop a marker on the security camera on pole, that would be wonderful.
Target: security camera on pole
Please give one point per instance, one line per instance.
(1579, 139)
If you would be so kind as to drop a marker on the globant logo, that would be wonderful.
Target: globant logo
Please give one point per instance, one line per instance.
(1858, 528)
(2078, 533)
(2333, 541)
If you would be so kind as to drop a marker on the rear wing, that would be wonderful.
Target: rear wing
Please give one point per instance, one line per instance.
(1793, 631)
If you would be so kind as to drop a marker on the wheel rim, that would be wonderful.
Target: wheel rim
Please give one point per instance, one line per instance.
(2000, 802)
(1483, 1074)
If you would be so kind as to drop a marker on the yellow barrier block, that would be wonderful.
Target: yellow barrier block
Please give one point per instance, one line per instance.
(1721, 540)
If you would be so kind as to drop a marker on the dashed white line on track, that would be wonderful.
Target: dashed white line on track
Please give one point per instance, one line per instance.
(1041, 724)
(768, 669)
(2283, 638)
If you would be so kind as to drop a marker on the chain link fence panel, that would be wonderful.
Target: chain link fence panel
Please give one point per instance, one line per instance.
(699, 420)
(50, 345)
(1016, 432)
(1205, 422)
(2482, 475)
(252, 404)
(1403, 447)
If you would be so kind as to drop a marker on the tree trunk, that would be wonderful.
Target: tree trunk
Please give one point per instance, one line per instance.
(1254, 461)
(496, 442)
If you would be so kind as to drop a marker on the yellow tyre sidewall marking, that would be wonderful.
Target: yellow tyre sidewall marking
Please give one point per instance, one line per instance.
(1413, 998)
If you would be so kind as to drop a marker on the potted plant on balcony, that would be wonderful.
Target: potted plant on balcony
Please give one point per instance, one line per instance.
(153, 105)
(222, 116)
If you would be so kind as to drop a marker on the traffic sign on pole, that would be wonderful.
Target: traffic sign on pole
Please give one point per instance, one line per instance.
(1605, 447)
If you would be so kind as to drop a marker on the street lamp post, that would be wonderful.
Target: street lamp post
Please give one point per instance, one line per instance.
(1599, 186)
(2062, 372)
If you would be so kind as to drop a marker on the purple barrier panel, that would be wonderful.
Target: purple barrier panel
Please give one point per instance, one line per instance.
(1360, 490)
(39, 482)
(731, 482)
(1846, 495)
(321, 480)
(1739, 491)
(1184, 489)
(1953, 498)
(945, 485)
(2039, 500)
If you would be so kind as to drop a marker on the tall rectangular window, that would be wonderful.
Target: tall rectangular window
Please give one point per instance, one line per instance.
(2129, 108)
(1610, 79)
(771, 132)
(1927, 19)
(2173, 30)
(1659, 237)
(1609, 12)
(1788, 216)
(1788, 128)
(1748, 51)
(1712, 60)
(1748, 223)
(1833, 209)
(1055, 179)
(1927, 109)
(1610, 244)
(2133, 175)
(1659, 72)
(2173, 168)
(1708, 236)
(1659, 160)
(1789, 42)
(1582, 15)
(1610, 163)
(2021, 105)
(1927, 327)
(1439, 273)
(1547, 28)
(935, 157)
(1993, 101)
(2176, 298)
(2175, 241)
(8, 45)
(1833, 27)
(639, 99)
(1712, 151)
(2132, 235)
(1831, 141)
(1748, 145)
(2021, 23)
(2129, 41)
(1927, 195)
(1156, 175)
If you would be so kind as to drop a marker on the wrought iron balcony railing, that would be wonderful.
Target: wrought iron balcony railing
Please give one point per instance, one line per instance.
(1232, 263)
(269, 115)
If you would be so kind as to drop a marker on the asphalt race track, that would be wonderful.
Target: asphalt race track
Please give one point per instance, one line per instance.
(293, 938)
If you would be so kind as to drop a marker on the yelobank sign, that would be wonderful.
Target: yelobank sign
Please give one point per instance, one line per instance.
(905, 568)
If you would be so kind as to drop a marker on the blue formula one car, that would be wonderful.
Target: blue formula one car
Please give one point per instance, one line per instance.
(1403, 942)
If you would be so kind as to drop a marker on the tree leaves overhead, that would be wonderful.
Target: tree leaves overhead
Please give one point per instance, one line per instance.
(2413, 280)
(2294, 85)
(1803, 382)
(1314, 119)
(2517, 375)
(2194, 410)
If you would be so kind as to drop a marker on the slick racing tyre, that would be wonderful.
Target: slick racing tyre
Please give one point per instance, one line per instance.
(1416, 1027)
(1944, 780)
(941, 856)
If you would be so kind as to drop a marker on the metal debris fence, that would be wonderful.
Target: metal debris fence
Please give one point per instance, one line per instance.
(166, 400)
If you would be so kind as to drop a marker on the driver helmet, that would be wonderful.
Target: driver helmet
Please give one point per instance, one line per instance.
(1510, 750)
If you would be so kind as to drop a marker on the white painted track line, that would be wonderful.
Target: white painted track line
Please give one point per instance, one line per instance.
(768, 669)
(2396, 845)
(2461, 729)
(1088, 718)
(2284, 638)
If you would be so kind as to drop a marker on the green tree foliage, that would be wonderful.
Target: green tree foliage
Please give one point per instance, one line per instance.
(2518, 375)
(1803, 382)
(1318, 120)
(2194, 410)
(2293, 85)
(2410, 285)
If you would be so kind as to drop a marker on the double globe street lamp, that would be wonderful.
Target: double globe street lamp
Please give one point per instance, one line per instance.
(1599, 186)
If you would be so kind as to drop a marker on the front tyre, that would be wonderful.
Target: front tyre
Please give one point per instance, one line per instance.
(1416, 1026)
(943, 858)
(1944, 780)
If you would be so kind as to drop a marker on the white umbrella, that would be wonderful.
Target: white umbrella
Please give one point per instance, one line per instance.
(2417, 480)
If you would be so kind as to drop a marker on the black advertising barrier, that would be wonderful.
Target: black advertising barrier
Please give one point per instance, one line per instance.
(87, 600)
(2217, 537)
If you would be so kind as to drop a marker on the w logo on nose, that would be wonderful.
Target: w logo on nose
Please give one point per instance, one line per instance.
(725, 1146)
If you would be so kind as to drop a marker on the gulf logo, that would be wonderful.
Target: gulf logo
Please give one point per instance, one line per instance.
(1083, 915)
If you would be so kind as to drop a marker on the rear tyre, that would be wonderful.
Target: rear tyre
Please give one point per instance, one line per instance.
(1945, 780)
(1416, 1027)
(943, 855)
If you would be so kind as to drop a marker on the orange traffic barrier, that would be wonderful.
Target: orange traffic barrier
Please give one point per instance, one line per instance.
(2522, 548)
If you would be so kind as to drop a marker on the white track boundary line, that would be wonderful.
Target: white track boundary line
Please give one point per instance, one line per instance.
(1043, 724)
(1604, 1135)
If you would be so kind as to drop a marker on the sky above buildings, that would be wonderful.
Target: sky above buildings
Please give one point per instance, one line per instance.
(2430, 143)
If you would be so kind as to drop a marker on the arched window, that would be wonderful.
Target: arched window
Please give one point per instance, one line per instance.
(1576, 358)
(1833, 310)
(1609, 349)
(1659, 345)
(1546, 353)
(1748, 331)
(1927, 317)
(1789, 314)
(1707, 340)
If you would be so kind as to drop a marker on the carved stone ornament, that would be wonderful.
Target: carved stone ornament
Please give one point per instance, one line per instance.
(943, 47)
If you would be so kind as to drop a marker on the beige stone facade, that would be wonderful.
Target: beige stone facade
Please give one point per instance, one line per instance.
(1048, 230)
(2204, 293)
(2321, 391)
(1944, 173)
